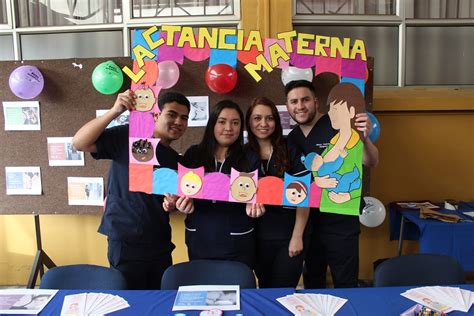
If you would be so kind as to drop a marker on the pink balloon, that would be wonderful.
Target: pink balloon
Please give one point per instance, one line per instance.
(168, 74)
(26, 82)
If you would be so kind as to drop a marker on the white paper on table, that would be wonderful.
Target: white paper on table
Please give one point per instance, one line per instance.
(24, 301)
(207, 297)
(74, 304)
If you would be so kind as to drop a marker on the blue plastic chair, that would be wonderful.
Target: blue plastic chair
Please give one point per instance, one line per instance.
(419, 269)
(208, 272)
(83, 277)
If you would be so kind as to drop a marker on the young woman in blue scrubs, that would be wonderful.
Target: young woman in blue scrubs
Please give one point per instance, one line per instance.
(280, 230)
(217, 229)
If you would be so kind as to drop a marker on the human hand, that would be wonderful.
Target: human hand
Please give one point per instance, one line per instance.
(255, 210)
(185, 205)
(169, 202)
(340, 197)
(363, 125)
(325, 182)
(125, 101)
(295, 247)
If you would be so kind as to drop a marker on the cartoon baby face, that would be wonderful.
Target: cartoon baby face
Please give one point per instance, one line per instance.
(145, 99)
(142, 150)
(296, 192)
(243, 188)
(191, 183)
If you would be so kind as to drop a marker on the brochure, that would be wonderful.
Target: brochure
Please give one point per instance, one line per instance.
(207, 297)
(312, 304)
(24, 301)
(441, 298)
(92, 304)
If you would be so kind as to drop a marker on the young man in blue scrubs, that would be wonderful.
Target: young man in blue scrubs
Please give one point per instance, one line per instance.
(137, 226)
(334, 238)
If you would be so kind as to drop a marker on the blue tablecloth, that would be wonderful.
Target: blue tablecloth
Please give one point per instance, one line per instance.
(456, 240)
(361, 301)
(411, 231)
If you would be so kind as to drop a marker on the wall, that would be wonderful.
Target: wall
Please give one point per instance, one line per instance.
(426, 152)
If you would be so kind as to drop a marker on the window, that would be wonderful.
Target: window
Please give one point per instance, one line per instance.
(440, 55)
(458, 9)
(353, 7)
(71, 45)
(6, 47)
(49, 29)
(174, 8)
(3, 12)
(414, 42)
(58, 13)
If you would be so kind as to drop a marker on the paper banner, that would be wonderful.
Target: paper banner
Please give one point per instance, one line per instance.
(165, 180)
(328, 64)
(359, 83)
(250, 56)
(142, 124)
(142, 150)
(140, 178)
(174, 52)
(301, 60)
(314, 195)
(243, 186)
(270, 190)
(151, 73)
(139, 40)
(281, 63)
(296, 190)
(225, 56)
(197, 54)
(216, 186)
(354, 68)
(190, 181)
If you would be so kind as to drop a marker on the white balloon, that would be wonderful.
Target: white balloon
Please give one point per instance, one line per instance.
(295, 73)
(373, 213)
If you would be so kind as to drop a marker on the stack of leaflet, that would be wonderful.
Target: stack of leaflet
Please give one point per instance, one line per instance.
(92, 304)
(312, 304)
(24, 301)
(442, 298)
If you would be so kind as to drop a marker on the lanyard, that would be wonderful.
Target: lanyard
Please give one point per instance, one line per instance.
(216, 162)
(265, 170)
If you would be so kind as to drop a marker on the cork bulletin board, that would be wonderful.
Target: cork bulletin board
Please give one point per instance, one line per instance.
(69, 100)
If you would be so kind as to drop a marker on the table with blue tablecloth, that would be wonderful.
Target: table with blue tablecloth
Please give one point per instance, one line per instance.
(259, 302)
(453, 239)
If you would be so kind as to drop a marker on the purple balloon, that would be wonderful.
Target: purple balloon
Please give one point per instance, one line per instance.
(26, 82)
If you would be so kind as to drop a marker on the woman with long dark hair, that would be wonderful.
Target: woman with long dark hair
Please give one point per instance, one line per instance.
(217, 229)
(280, 231)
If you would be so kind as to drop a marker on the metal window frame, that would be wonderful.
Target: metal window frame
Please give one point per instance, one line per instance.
(125, 26)
(399, 19)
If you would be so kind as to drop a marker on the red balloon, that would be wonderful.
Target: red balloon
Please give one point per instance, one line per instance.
(221, 78)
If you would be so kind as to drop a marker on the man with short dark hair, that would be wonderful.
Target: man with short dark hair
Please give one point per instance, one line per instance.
(335, 237)
(137, 226)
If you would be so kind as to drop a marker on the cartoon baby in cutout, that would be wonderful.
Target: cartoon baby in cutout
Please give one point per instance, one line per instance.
(142, 150)
(296, 192)
(243, 188)
(190, 184)
(145, 99)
